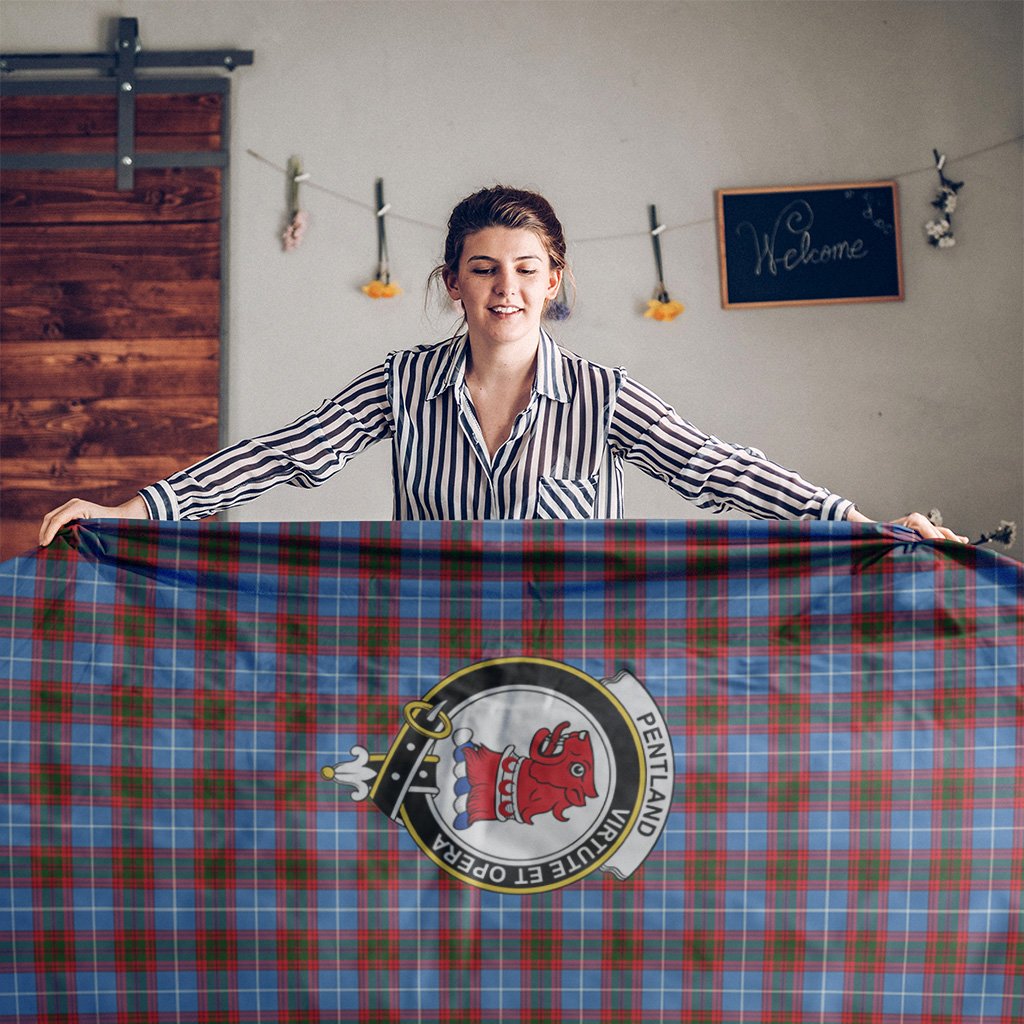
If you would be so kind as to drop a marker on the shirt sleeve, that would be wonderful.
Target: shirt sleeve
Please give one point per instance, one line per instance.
(711, 473)
(304, 454)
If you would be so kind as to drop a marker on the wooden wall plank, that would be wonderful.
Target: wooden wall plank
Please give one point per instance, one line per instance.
(29, 488)
(107, 252)
(110, 369)
(94, 471)
(18, 536)
(54, 429)
(107, 144)
(92, 309)
(84, 116)
(81, 197)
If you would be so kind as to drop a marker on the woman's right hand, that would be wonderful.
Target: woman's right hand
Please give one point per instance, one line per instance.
(78, 508)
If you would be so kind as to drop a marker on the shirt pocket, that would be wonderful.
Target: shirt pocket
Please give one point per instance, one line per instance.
(565, 498)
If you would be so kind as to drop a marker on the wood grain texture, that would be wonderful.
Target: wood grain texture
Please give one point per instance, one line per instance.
(54, 429)
(110, 252)
(82, 197)
(91, 310)
(91, 116)
(110, 369)
(30, 487)
(18, 537)
(110, 307)
(107, 144)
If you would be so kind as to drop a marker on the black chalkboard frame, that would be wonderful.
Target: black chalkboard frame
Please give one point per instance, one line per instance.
(894, 292)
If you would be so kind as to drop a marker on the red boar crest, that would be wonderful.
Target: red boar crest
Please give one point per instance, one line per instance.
(557, 774)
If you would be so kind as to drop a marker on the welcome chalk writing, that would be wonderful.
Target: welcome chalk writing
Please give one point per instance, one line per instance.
(814, 244)
(797, 219)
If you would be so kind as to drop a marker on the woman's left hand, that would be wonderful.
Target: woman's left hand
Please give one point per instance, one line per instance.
(918, 523)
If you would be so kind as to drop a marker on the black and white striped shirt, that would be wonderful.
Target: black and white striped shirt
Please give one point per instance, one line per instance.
(562, 460)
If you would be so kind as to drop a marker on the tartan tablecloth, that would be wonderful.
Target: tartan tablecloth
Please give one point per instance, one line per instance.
(493, 772)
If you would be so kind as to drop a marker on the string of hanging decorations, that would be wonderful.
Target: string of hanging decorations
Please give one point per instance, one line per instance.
(938, 231)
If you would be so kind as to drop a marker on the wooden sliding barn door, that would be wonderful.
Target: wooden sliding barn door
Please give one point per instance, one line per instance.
(111, 304)
(110, 310)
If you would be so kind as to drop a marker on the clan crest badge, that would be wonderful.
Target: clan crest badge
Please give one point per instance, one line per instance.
(523, 775)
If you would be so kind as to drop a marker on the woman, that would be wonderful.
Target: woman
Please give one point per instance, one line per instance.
(497, 422)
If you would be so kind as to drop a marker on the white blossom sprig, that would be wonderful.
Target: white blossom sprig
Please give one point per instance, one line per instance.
(1005, 533)
(940, 230)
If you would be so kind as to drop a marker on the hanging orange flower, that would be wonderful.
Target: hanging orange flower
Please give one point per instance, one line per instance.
(381, 290)
(658, 310)
(381, 287)
(661, 307)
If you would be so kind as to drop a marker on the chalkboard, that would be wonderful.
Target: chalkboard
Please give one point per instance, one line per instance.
(812, 244)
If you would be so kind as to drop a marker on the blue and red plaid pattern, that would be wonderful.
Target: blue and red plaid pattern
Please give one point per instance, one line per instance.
(845, 843)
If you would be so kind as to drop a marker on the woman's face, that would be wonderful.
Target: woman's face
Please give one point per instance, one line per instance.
(505, 278)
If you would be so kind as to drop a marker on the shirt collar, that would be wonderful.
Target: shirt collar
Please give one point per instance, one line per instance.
(550, 379)
(451, 370)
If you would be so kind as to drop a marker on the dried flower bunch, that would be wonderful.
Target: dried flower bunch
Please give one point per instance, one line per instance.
(378, 289)
(296, 229)
(381, 287)
(299, 219)
(661, 307)
(558, 308)
(1005, 533)
(940, 231)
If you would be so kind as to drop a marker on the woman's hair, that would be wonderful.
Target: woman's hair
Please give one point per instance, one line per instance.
(501, 207)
